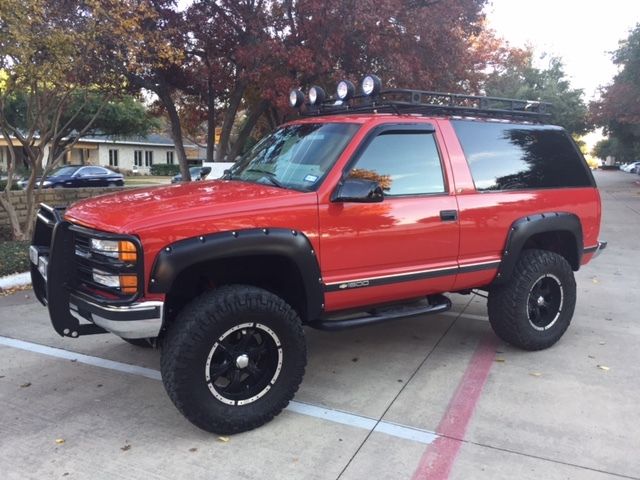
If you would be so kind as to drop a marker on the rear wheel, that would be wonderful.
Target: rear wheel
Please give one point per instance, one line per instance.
(535, 308)
(233, 358)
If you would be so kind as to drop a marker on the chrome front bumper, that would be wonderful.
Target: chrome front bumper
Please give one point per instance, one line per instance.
(138, 320)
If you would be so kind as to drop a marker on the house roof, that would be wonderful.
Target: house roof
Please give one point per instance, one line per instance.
(153, 139)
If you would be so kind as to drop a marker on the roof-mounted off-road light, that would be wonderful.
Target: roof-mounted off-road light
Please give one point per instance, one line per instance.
(296, 98)
(371, 85)
(316, 95)
(345, 90)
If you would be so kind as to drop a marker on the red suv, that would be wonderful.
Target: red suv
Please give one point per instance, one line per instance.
(368, 209)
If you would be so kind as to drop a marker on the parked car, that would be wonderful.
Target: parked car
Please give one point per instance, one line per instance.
(197, 173)
(630, 167)
(366, 211)
(76, 176)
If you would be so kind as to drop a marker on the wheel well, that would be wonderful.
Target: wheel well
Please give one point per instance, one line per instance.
(561, 242)
(274, 273)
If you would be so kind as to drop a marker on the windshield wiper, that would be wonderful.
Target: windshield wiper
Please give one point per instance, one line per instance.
(269, 176)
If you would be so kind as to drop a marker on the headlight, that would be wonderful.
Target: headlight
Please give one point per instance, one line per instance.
(126, 283)
(296, 98)
(316, 95)
(46, 183)
(371, 85)
(121, 249)
(345, 90)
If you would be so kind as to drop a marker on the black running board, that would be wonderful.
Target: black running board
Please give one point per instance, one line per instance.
(436, 304)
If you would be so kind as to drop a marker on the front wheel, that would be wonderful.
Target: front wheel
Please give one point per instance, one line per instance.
(535, 308)
(233, 358)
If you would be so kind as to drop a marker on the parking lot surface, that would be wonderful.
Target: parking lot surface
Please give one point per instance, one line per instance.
(428, 397)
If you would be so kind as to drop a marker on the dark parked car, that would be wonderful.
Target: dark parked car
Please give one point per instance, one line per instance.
(197, 173)
(80, 176)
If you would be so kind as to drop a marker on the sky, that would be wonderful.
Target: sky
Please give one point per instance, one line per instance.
(581, 32)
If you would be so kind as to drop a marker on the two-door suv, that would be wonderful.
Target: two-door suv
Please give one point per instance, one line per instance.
(368, 208)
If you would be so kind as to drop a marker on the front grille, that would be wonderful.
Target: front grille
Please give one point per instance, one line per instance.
(88, 261)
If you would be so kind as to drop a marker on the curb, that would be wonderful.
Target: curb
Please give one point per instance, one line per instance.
(15, 280)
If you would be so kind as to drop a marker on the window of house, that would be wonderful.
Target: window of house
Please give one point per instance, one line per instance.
(113, 157)
(169, 158)
(137, 158)
(402, 162)
(148, 158)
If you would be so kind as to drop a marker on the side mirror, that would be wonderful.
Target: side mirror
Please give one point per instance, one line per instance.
(358, 190)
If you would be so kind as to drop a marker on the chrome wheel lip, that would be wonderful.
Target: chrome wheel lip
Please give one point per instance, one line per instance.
(560, 305)
(216, 345)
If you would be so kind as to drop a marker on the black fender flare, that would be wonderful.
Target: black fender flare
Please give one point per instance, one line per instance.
(524, 228)
(291, 244)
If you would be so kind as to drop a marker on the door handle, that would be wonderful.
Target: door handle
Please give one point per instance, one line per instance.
(448, 215)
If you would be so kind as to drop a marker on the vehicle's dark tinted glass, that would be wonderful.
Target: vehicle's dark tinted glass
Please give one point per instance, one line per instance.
(404, 163)
(511, 157)
(63, 171)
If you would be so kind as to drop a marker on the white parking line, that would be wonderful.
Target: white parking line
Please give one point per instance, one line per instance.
(317, 411)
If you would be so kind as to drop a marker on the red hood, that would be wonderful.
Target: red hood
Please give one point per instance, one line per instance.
(138, 209)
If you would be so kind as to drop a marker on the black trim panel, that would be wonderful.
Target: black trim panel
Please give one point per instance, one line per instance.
(408, 277)
(524, 228)
(290, 244)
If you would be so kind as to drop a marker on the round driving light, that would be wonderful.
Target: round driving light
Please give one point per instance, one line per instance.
(346, 90)
(296, 98)
(316, 95)
(371, 85)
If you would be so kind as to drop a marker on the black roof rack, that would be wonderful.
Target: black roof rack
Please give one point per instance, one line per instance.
(407, 101)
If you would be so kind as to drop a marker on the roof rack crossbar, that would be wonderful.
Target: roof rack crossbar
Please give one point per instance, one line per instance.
(424, 102)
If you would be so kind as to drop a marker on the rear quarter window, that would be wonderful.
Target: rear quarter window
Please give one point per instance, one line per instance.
(520, 156)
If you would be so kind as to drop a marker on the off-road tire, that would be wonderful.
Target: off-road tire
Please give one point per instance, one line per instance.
(508, 304)
(141, 342)
(192, 338)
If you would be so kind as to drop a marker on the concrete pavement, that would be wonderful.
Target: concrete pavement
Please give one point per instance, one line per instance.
(370, 401)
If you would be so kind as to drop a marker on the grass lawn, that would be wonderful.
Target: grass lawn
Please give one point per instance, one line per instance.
(14, 257)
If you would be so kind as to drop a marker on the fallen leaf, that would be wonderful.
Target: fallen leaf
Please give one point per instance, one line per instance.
(595, 280)
(608, 319)
(125, 447)
(535, 374)
(59, 441)
(1, 376)
(73, 360)
(603, 343)
(193, 449)
(25, 385)
(501, 360)
(591, 356)
(354, 359)
(603, 367)
(223, 439)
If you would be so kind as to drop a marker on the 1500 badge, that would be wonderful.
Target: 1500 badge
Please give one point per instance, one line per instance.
(361, 283)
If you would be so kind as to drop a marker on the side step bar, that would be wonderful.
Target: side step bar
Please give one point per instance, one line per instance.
(434, 304)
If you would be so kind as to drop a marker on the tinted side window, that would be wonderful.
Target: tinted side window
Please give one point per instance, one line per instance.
(404, 163)
(511, 157)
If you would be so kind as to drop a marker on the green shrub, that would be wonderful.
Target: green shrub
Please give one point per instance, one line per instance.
(164, 170)
(14, 257)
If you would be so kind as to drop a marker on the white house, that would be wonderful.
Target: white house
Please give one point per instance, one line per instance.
(127, 154)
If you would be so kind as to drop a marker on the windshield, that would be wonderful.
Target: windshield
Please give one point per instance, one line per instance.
(296, 156)
(63, 171)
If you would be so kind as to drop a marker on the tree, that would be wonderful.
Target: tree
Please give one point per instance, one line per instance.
(618, 109)
(518, 78)
(266, 48)
(56, 86)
